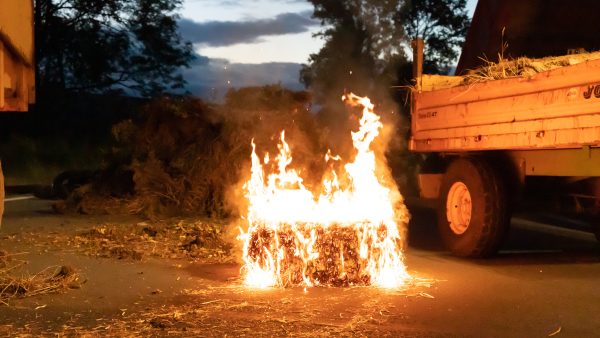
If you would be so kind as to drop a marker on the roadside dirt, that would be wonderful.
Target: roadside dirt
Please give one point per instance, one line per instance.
(544, 281)
(145, 287)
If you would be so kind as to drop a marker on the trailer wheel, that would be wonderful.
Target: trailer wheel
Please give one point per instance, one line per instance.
(473, 212)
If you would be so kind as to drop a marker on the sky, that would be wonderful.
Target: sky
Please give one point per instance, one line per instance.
(248, 42)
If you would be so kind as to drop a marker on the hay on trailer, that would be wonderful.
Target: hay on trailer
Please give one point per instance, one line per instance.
(524, 67)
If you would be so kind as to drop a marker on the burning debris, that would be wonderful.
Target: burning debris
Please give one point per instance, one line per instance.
(351, 234)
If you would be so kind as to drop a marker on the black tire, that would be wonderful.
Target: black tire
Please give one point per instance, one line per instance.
(67, 181)
(481, 234)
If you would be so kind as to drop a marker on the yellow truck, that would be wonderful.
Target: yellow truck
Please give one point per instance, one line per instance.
(489, 142)
(17, 65)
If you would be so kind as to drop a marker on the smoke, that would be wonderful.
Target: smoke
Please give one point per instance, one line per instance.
(318, 123)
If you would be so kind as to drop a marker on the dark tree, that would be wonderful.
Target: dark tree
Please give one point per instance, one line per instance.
(97, 46)
(360, 41)
(366, 43)
(442, 24)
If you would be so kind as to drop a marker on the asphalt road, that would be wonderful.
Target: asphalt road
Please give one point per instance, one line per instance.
(545, 282)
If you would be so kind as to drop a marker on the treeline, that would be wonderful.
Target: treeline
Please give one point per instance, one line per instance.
(100, 62)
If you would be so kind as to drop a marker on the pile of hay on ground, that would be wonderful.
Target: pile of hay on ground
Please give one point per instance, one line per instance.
(195, 240)
(184, 155)
(16, 284)
(524, 67)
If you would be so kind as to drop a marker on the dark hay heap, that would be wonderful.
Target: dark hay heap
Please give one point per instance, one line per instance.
(183, 156)
(50, 280)
(339, 263)
(189, 239)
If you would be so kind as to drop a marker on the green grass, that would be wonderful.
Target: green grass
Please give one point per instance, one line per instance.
(37, 161)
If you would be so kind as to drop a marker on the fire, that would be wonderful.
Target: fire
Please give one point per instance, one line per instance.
(349, 233)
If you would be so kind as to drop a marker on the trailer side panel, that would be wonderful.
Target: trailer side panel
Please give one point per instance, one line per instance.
(555, 109)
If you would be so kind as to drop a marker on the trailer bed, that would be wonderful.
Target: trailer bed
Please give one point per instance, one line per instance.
(557, 109)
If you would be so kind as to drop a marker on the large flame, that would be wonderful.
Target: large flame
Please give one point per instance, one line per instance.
(346, 234)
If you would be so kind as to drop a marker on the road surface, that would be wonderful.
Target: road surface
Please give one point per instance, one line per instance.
(545, 282)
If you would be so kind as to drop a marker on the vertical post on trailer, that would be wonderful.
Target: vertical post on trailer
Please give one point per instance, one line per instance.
(418, 46)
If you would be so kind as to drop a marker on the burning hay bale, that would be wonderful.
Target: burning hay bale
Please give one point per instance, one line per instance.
(335, 261)
(349, 233)
(50, 280)
(316, 255)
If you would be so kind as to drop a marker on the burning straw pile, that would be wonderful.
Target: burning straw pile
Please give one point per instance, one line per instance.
(336, 259)
(349, 231)
(50, 280)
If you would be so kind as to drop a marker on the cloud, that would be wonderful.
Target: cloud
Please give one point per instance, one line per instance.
(236, 3)
(228, 3)
(199, 60)
(226, 33)
(212, 79)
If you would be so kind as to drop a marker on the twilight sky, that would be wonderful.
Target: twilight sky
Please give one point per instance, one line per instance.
(248, 42)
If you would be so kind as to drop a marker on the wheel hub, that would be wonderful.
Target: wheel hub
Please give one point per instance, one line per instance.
(458, 208)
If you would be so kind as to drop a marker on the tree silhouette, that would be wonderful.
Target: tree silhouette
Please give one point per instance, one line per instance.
(442, 24)
(98, 46)
(366, 42)
(360, 41)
